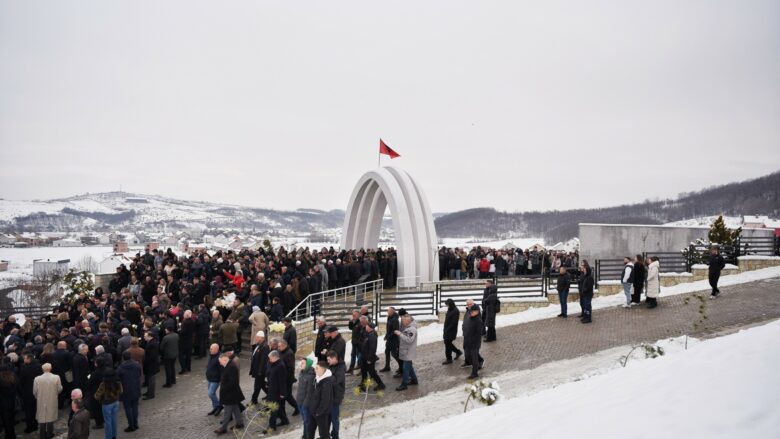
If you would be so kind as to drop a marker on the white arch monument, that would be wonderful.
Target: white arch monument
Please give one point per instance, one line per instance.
(415, 235)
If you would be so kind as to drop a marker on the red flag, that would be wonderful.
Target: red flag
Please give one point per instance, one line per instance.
(384, 149)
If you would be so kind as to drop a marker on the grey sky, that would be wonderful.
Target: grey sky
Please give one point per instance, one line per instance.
(516, 105)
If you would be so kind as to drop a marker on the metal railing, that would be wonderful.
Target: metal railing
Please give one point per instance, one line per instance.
(333, 303)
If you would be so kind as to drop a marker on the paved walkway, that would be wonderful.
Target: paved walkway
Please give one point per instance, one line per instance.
(180, 412)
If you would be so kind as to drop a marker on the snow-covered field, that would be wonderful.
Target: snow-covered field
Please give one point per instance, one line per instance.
(722, 388)
(21, 259)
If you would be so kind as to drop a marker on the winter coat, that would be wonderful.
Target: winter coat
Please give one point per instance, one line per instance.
(27, 375)
(259, 362)
(259, 322)
(340, 346)
(407, 351)
(45, 389)
(627, 277)
(186, 335)
(319, 344)
(368, 347)
(321, 399)
(391, 340)
(78, 427)
(169, 347)
(277, 381)
(229, 388)
(152, 357)
(585, 284)
(339, 372)
(717, 263)
(229, 333)
(129, 374)
(472, 332)
(357, 332)
(305, 385)
(639, 276)
(80, 371)
(451, 323)
(563, 283)
(653, 280)
(213, 369)
(288, 358)
(107, 396)
(291, 337)
(489, 299)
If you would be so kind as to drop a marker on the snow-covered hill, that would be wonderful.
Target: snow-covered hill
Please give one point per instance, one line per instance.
(111, 210)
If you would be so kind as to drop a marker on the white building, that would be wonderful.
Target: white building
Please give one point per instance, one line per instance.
(41, 267)
(754, 221)
(66, 242)
(110, 264)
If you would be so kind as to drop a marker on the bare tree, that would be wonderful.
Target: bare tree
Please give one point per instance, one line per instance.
(87, 263)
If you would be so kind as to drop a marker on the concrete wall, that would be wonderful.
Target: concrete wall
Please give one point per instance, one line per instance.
(610, 241)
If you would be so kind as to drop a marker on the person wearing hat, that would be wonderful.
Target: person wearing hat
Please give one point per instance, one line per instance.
(472, 340)
(369, 358)
(108, 394)
(46, 388)
(337, 343)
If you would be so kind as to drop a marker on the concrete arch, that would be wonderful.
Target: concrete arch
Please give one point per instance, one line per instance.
(415, 234)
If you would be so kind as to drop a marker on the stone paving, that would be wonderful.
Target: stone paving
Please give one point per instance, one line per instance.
(180, 412)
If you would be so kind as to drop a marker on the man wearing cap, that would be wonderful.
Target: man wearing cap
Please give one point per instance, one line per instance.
(407, 351)
(259, 320)
(472, 340)
(46, 389)
(290, 334)
(368, 353)
(337, 343)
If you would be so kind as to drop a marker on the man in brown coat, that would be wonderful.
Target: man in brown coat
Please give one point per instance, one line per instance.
(137, 353)
(229, 335)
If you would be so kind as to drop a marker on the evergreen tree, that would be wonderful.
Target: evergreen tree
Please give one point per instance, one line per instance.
(720, 234)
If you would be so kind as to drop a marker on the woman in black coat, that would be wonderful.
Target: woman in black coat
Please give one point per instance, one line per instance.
(451, 331)
(9, 387)
(585, 285)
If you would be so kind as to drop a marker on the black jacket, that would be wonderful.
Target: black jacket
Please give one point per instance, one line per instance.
(288, 358)
(80, 371)
(320, 344)
(186, 334)
(129, 374)
(340, 346)
(472, 333)
(339, 372)
(585, 284)
(152, 357)
(563, 283)
(368, 347)
(291, 337)
(640, 273)
(277, 381)
(213, 369)
(321, 398)
(391, 339)
(27, 375)
(229, 388)
(451, 323)
(717, 263)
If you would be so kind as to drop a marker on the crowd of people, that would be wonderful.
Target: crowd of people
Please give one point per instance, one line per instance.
(483, 263)
(99, 349)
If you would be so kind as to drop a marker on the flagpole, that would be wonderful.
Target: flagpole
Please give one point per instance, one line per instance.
(379, 159)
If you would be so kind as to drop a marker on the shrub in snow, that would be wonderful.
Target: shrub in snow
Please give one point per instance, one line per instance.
(702, 312)
(651, 351)
(486, 393)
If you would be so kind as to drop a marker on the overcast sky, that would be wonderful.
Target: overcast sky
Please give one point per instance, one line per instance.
(512, 104)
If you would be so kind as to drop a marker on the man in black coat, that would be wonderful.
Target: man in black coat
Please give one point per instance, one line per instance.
(186, 339)
(337, 343)
(391, 341)
(717, 263)
(288, 358)
(259, 365)
(320, 348)
(320, 402)
(30, 369)
(151, 363)
(169, 350)
(129, 374)
(451, 331)
(81, 367)
(277, 387)
(61, 364)
(338, 369)
(472, 340)
(202, 327)
(230, 394)
(290, 335)
(369, 358)
(489, 305)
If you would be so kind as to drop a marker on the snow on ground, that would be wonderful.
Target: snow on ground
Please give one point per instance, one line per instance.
(468, 243)
(730, 221)
(21, 259)
(722, 388)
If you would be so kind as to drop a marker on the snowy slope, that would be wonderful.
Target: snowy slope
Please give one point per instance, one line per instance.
(722, 388)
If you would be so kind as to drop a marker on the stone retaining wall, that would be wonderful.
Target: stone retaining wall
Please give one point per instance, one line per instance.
(756, 264)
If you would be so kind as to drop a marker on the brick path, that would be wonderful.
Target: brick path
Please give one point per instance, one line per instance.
(180, 412)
